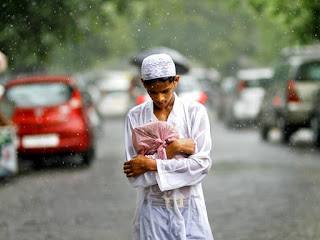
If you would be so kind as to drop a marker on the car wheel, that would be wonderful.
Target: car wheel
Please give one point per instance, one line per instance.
(315, 126)
(264, 132)
(88, 156)
(38, 163)
(286, 131)
(230, 122)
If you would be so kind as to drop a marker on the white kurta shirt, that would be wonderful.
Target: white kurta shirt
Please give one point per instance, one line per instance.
(176, 181)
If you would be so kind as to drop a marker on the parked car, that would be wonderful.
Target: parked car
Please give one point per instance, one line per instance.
(288, 101)
(51, 118)
(115, 98)
(226, 87)
(243, 106)
(315, 119)
(92, 112)
(189, 88)
(8, 148)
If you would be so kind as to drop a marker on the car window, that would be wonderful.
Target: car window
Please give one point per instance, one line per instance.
(309, 72)
(281, 74)
(188, 85)
(257, 83)
(39, 94)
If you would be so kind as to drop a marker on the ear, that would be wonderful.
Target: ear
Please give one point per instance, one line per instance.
(143, 82)
(176, 80)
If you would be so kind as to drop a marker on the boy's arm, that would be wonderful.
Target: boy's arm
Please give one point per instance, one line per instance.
(178, 146)
(139, 165)
(144, 179)
(176, 173)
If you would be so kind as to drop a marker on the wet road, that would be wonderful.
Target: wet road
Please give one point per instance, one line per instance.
(254, 191)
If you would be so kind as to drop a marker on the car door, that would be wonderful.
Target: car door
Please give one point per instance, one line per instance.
(274, 100)
(307, 79)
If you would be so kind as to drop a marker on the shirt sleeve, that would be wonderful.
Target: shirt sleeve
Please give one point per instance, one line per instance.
(144, 180)
(176, 173)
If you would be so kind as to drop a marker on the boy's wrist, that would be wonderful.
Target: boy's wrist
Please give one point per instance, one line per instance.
(152, 165)
(172, 149)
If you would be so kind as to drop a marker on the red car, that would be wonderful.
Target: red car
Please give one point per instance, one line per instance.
(51, 117)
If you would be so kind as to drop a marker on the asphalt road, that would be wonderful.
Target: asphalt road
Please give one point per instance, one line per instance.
(255, 190)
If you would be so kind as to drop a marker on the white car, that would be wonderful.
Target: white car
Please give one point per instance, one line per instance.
(189, 88)
(115, 99)
(247, 97)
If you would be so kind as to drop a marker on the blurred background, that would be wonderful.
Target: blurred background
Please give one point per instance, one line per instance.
(70, 71)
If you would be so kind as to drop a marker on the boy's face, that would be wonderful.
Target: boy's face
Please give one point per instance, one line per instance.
(161, 93)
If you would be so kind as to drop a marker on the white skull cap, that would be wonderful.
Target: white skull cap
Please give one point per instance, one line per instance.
(157, 66)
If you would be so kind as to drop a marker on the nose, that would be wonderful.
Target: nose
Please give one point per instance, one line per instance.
(160, 98)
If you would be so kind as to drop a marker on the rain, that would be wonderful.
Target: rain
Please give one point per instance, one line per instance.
(70, 72)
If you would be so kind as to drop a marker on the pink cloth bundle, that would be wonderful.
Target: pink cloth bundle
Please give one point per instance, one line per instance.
(154, 137)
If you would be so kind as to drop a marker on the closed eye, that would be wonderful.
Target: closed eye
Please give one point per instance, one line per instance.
(164, 91)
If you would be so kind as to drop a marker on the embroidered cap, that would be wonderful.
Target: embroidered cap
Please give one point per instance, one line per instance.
(157, 66)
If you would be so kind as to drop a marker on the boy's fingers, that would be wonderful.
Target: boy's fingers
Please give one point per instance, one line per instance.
(130, 175)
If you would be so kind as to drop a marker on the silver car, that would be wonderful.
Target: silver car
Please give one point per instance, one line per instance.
(246, 97)
(288, 101)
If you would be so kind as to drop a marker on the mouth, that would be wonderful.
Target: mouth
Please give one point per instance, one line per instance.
(161, 105)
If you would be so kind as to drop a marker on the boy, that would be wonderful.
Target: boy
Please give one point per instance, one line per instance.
(170, 202)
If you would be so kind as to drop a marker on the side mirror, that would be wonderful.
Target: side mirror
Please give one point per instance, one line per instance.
(87, 99)
(1, 92)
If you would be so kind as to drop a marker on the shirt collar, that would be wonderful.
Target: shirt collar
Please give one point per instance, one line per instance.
(152, 118)
(174, 112)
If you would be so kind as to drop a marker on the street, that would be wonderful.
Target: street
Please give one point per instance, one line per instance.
(255, 191)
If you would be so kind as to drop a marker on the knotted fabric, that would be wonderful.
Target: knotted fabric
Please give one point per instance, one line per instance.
(154, 137)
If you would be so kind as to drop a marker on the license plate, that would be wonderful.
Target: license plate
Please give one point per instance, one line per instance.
(36, 141)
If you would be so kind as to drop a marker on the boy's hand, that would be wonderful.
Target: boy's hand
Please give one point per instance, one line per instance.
(181, 145)
(139, 165)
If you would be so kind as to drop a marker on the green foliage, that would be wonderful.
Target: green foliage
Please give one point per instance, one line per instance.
(299, 18)
(221, 34)
(206, 32)
(31, 31)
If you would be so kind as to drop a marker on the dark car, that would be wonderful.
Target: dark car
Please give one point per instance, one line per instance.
(288, 100)
(51, 117)
(315, 119)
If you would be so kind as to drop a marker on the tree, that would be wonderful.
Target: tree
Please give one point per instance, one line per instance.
(30, 31)
(299, 18)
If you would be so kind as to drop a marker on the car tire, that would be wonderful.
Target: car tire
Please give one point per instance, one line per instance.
(286, 131)
(88, 156)
(230, 122)
(39, 163)
(264, 132)
(315, 126)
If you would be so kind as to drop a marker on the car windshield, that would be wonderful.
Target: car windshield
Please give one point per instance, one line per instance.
(188, 85)
(309, 72)
(262, 82)
(39, 94)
